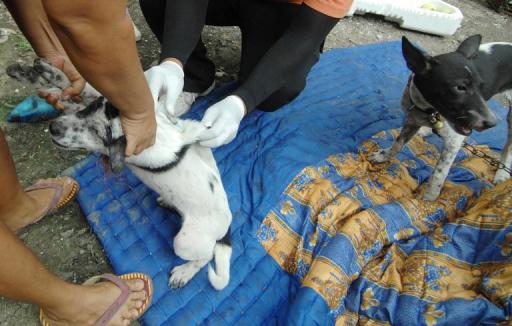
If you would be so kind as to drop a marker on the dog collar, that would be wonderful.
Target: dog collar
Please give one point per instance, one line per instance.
(168, 166)
(435, 118)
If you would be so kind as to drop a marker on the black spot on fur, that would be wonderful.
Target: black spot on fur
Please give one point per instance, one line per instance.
(111, 111)
(212, 187)
(58, 78)
(91, 108)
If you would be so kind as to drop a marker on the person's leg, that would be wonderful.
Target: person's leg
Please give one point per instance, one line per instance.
(262, 24)
(199, 70)
(18, 209)
(23, 277)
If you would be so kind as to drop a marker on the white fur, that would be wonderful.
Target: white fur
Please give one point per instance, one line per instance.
(205, 213)
(219, 277)
(487, 47)
(188, 187)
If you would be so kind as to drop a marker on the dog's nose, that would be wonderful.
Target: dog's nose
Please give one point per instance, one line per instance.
(489, 121)
(56, 128)
(486, 124)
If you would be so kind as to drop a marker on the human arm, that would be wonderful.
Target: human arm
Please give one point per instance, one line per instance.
(183, 23)
(288, 55)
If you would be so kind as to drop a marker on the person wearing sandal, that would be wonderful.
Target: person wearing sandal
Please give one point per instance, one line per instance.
(115, 301)
(68, 42)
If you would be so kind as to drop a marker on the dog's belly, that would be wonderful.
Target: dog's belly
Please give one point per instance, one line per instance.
(194, 188)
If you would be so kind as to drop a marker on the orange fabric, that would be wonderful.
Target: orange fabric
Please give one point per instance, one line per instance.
(333, 8)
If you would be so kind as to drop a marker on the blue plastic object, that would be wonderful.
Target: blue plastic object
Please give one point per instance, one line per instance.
(32, 109)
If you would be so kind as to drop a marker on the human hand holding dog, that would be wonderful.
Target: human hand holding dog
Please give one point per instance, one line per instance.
(165, 82)
(139, 130)
(222, 120)
(63, 63)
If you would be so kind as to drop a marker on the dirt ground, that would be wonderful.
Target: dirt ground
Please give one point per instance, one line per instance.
(64, 242)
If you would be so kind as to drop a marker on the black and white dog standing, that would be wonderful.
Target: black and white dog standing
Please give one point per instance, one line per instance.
(182, 172)
(454, 87)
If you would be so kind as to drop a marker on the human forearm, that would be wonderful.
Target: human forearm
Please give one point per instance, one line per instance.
(33, 22)
(98, 37)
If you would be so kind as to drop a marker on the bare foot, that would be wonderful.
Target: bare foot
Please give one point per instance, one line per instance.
(90, 302)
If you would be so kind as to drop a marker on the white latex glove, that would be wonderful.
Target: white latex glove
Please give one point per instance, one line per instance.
(165, 82)
(222, 120)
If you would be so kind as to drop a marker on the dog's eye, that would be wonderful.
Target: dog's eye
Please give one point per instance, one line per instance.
(461, 88)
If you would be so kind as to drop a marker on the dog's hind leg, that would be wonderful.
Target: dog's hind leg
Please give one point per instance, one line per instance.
(33, 77)
(384, 155)
(506, 155)
(452, 143)
(218, 276)
(46, 78)
(56, 77)
(181, 275)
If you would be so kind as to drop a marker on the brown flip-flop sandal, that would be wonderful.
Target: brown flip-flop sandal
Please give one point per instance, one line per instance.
(65, 188)
(125, 292)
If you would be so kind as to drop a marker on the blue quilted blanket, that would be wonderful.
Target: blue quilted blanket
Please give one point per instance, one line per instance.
(320, 236)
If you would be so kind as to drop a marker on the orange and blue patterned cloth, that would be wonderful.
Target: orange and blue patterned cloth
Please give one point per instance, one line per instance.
(358, 235)
(320, 236)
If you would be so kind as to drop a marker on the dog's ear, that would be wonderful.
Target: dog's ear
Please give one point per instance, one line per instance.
(469, 47)
(116, 154)
(417, 61)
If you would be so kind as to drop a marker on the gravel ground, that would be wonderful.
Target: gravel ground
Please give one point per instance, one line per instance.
(64, 241)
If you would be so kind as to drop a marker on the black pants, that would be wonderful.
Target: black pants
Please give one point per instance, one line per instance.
(261, 22)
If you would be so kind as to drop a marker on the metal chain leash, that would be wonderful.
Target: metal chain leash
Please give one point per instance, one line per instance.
(489, 159)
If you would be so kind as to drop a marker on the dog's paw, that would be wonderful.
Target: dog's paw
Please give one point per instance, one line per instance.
(381, 156)
(27, 75)
(53, 75)
(181, 275)
(501, 176)
(42, 76)
(429, 196)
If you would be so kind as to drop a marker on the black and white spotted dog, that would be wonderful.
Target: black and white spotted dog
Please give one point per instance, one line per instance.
(454, 87)
(182, 172)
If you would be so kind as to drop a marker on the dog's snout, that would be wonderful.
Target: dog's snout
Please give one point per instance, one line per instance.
(489, 120)
(56, 128)
(486, 124)
(483, 119)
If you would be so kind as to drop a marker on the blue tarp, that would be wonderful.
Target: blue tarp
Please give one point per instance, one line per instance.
(351, 94)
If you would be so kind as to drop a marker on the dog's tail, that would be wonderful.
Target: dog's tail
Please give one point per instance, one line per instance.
(219, 277)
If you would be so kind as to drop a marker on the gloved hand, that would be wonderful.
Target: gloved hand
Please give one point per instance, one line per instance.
(222, 120)
(165, 82)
